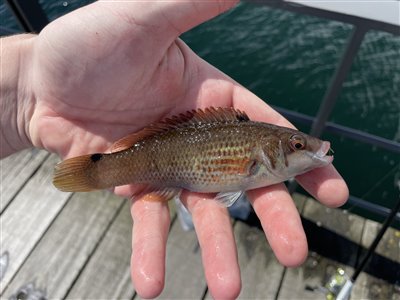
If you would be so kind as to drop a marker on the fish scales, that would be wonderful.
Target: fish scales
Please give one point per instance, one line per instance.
(216, 150)
(191, 158)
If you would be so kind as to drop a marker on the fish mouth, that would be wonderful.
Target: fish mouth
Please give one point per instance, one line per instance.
(325, 154)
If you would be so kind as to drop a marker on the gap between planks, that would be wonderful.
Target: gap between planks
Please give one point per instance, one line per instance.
(28, 217)
(66, 246)
(16, 170)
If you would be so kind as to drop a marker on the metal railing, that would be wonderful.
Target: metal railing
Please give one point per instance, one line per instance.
(320, 123)
(29, 14)
(32, 19)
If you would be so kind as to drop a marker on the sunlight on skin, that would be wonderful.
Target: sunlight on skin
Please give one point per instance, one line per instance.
(149, 238)
(273, 206)
(215, 235)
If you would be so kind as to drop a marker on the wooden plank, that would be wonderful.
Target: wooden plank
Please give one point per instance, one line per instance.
(313, 274)
(368, 287)
(371, 286)
(184, 271)
(316, 271)
(28, 216)
(337, 220)
(260, 270)
(15, 170)
(65, 248)
(107, 274)
(388, 246)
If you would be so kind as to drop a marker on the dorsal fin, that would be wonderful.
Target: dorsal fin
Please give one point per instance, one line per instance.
(190, 118)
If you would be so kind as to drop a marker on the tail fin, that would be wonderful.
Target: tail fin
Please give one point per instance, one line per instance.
(73, 175)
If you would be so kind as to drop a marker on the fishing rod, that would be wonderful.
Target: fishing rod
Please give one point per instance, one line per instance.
(345, 290)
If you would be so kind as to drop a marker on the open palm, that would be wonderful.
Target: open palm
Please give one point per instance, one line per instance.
(102, 74)
(112, 68)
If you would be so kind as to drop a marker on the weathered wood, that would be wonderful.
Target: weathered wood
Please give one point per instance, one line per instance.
(300, 201)
(260, 270)
(15, 170)
(65, 248)
(316, 271)
(369, 286)
(184, 272)
(388, 246)
(107, 274)
(336, 220)
(28, 216)
(313, 274)
(173, 210)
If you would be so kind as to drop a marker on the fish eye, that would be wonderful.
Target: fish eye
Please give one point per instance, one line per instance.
(297, 142)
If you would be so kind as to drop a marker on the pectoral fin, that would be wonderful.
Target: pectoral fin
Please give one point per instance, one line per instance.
(228, 198)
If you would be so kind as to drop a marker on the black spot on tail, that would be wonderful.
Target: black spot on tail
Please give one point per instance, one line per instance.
(96, 157)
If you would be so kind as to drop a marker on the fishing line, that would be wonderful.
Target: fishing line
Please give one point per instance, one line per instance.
(379, 182)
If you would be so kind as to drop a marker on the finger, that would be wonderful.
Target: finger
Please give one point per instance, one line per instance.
(164, 19)
(326, 185)
(149, 237)
(218, 248)
(281, 223)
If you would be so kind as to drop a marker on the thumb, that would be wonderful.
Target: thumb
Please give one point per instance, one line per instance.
(168, 19)
(181, 16)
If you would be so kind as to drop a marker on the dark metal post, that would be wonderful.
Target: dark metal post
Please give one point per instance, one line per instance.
(29, 14)
(337, 80)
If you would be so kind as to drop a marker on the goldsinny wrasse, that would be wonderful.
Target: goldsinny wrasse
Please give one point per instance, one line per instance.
(215, 150)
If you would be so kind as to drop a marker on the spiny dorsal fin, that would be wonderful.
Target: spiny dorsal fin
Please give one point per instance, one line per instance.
(190, 118)
(126, 142)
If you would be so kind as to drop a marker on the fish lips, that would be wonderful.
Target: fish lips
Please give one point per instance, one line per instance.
(321, 156)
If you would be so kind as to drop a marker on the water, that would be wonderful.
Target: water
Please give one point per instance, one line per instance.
(287, 59)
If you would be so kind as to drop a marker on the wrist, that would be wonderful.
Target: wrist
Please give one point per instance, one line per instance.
(16, 97)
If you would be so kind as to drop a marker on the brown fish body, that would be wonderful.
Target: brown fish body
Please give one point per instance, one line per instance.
(214, 158)
(219, 150)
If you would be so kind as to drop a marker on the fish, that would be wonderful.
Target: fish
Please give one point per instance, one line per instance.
(211, 150)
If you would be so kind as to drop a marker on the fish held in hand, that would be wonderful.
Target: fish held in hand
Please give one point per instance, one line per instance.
(216, 150)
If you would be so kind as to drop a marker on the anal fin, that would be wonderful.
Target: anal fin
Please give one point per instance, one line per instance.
(159, 195)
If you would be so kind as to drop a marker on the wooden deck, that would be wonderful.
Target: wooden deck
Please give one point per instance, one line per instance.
(58, 245)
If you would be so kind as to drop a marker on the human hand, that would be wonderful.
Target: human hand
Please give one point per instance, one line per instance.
(112, 68)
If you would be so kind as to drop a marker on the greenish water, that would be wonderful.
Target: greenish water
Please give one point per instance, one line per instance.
(287, 59)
